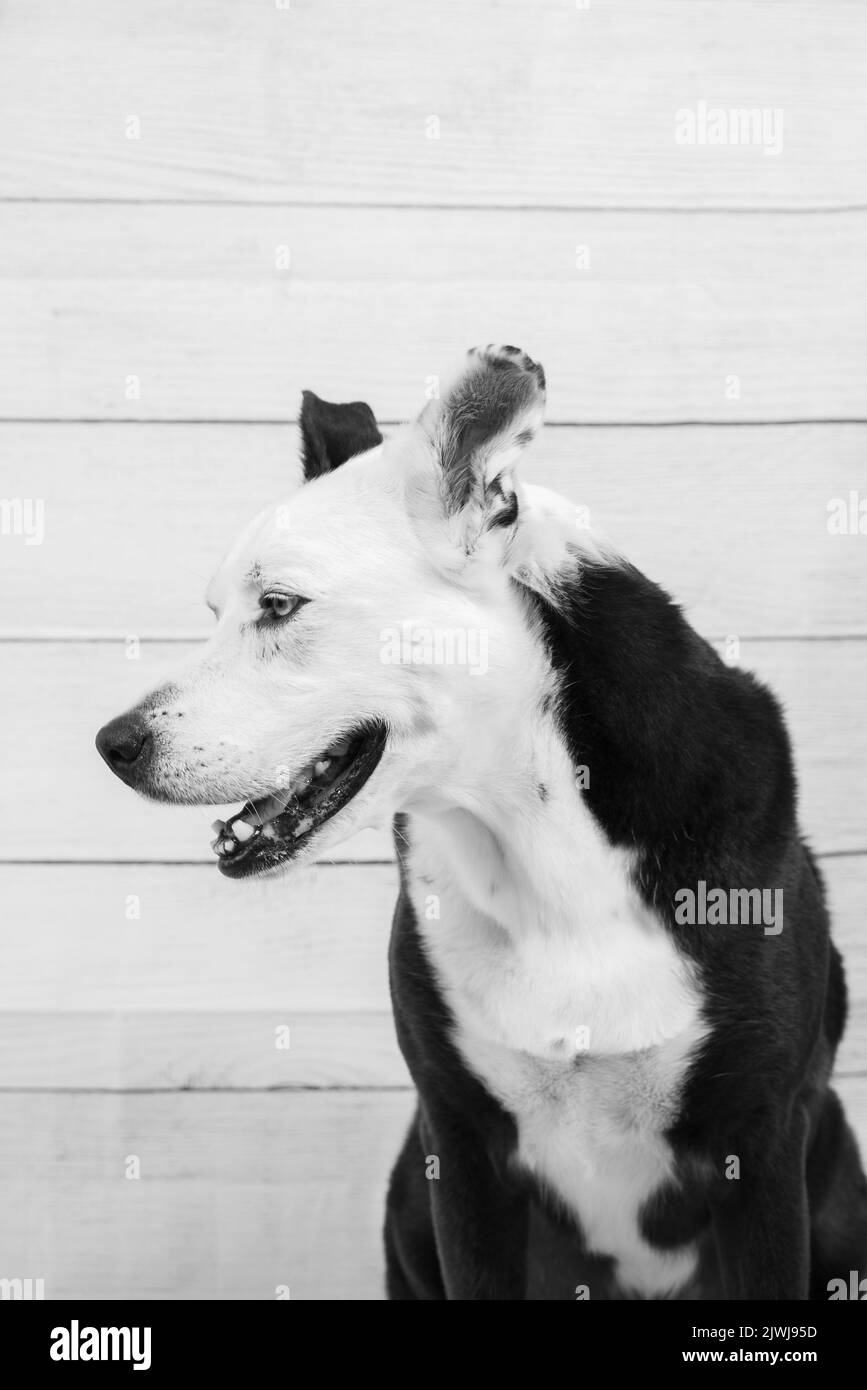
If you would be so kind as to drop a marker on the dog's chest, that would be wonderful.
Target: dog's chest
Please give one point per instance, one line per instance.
(584, 1033)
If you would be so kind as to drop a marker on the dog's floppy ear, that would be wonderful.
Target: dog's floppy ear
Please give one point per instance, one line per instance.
(477, 430)
(331, 434)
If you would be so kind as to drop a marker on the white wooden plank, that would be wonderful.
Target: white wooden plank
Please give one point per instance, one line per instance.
(846, 881)
(823, 723)
(732, 522)
(551, 103)
(203, 1049)
(238, 1194)
(676, 318)
(313, 943)
(61, 802)
(187, 998)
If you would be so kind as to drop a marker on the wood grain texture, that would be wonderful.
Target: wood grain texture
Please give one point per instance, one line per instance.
(191, 994)
(312, 942)
(846, 882)
(62, 803)
(552, 103)
(179, 313)
(202, 1049)
(732, 522)
(238, 1195)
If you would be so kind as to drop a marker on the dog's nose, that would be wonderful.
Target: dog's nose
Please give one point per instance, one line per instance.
(125, 744)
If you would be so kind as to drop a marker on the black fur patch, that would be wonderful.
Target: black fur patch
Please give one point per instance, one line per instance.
(690, 768)
(503, 506)
(524, 360)
(331, 434)
(493, 393)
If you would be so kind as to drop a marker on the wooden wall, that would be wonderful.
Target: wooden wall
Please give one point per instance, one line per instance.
(206, 205)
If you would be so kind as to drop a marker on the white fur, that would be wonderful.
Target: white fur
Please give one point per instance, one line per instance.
(571, 1003)
(370, 547)
(540, 933)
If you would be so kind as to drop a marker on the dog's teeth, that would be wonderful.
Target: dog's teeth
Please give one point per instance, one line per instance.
(227, 847)
(218, 826)
(302, 827)
(242, 831)
(322, 766)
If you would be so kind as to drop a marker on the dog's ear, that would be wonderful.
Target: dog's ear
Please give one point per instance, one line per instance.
(331, 434)
(476, 432)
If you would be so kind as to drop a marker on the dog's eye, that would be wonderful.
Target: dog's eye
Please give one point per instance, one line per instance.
(276, 606)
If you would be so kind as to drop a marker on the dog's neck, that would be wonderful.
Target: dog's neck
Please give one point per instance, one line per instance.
(532, 917)
(513, 827)
(510, 819)
(530, 914)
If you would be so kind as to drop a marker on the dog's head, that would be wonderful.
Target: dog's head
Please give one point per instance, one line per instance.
(370, 632)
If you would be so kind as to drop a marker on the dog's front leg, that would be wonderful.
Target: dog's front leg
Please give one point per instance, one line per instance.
(480, 1221)
(762, 1227)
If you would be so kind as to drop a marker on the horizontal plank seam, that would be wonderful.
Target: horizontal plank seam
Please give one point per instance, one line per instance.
(195, 1012)
(318, 864)
(269, 423)
(98, 637)
(401, 1089)
(611, 209)
(841, 853)
(188, 863)
(191, 1090)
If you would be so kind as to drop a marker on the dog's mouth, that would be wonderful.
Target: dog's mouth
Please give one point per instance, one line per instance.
(274, 829)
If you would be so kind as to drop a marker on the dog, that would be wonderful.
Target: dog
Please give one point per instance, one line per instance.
(614, 1101)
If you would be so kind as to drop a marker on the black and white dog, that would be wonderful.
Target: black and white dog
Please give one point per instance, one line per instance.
(622, 1052)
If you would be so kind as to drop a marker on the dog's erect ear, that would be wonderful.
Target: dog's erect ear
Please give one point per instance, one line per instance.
(331, 434)
(476, 432)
